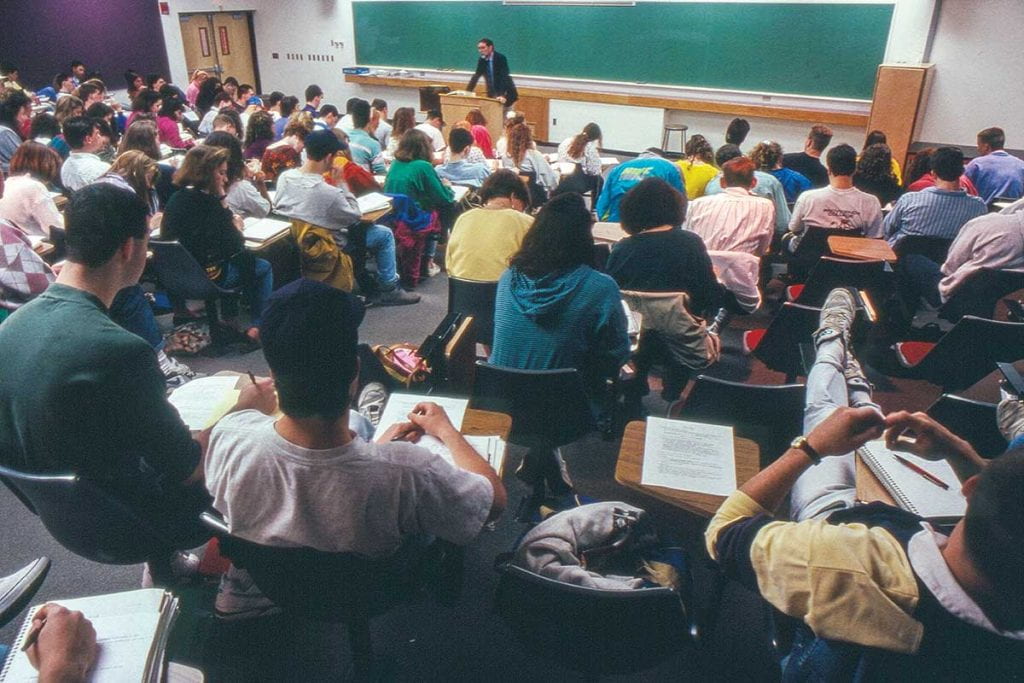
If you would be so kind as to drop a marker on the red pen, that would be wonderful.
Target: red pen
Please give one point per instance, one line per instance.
(923, 472)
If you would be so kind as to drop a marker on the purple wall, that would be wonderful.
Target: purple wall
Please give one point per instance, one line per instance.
(41, 37)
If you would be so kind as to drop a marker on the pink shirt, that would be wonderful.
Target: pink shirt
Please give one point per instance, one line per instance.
(168, 133)
(733, 220)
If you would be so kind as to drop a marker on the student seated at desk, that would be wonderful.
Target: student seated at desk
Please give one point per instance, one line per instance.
(481, 136)
(259, 134)
(472, 154)
(459, 168)
(552, 309)
(168, 124)
(625, 176)
(766, 185)
(404, 120)
(289, 105)
(83, 165)
(196, 217)
(15, 110)
(93, 400)
(286, 153)
(247, 191)
(303, 194)
(808, 162)
(658, 255)
(877, 137)
(511, 119)
(142, 136)
(767, 156)
(485, 238)
(26, 200)
(840, 205)
(583, 152)
(357, 179)
(364, 148)
(875, 176)
(921, 176)
(698, 168)
(996, 173)
(522, 156)
(318, 476)
(433, 128)
(735, 219)
(881, 593)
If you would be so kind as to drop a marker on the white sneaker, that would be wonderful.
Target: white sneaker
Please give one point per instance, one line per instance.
(837, 316)
(433, 269)
(370, 403)
(1010, 417)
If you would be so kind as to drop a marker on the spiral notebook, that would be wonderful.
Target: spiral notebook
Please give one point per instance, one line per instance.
(131, 634)
(911, 490)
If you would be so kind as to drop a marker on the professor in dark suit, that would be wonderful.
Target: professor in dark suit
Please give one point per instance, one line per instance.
(494, 68)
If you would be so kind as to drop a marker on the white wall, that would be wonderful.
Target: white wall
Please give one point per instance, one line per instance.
(974, 52)
(978, 54)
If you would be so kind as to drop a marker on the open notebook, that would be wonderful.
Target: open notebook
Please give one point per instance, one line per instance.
(263, 229)
(131, 631)
(911, 490)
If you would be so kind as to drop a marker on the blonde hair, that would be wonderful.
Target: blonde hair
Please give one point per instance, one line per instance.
(300, 124)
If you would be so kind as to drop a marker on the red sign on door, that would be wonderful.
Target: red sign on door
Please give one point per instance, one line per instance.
(225, 46)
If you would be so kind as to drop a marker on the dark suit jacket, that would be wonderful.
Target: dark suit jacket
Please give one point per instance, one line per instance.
(502, 85)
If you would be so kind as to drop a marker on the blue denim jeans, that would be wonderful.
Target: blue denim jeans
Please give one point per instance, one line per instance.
(132, 311)
(257, 289)
(830, 485)
(380, 242)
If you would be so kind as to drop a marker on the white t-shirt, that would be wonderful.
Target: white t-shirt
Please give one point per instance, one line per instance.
(362, 497)
(848, 209)
(435, 135)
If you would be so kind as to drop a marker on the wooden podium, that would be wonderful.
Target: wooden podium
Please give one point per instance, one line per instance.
(454, 108)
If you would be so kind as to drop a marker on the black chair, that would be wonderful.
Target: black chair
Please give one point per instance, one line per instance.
(965, 354)
(338, 588)
(778, 346)
(549, 408)
(973, 421)
(831, 272)
(474, 298)
(591, 630)
(59, 237)
(979, 294)
(183, 278)
(770, 415)
(87, 520)
(812, 246)
(933, 248)
(18, 588)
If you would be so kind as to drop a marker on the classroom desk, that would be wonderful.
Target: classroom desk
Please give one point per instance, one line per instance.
(629, 470)
(44, 248)
(608, 233)
(862, 248)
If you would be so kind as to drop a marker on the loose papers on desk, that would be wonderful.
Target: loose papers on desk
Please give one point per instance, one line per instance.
(689, 456)
(263, 229)
(203, 401)
(460, 191)
(375, 201)
(400, 405)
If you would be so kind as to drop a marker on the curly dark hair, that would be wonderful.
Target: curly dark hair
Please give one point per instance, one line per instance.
(919, 166)
(558, 240)
(698, 147)
(261, 127)
(875, 163)
(766, 155)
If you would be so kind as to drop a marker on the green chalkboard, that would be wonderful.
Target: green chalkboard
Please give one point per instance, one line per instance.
(823, 49)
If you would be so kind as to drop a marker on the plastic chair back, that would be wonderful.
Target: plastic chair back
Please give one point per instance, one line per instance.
(180, 273)
(780, 348)
(59, 238)
(971, 350)
(592, 630)
(980, 293)
(474, 298)
(973, 421)
(770, 415)
(86, 519)
(831, 272)
(548, 407)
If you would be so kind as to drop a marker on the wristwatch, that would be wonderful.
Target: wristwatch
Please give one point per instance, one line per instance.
(801, 443)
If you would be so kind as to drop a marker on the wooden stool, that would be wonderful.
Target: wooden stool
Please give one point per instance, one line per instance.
(667, 131)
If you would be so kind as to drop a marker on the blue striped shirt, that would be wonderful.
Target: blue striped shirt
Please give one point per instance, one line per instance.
(931, 213)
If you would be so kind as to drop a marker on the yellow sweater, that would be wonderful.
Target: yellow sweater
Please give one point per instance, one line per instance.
(696, 176)
(482, 242)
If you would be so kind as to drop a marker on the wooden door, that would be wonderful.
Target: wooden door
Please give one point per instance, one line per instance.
(234, 46)
(197, 37)
(219, 43)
